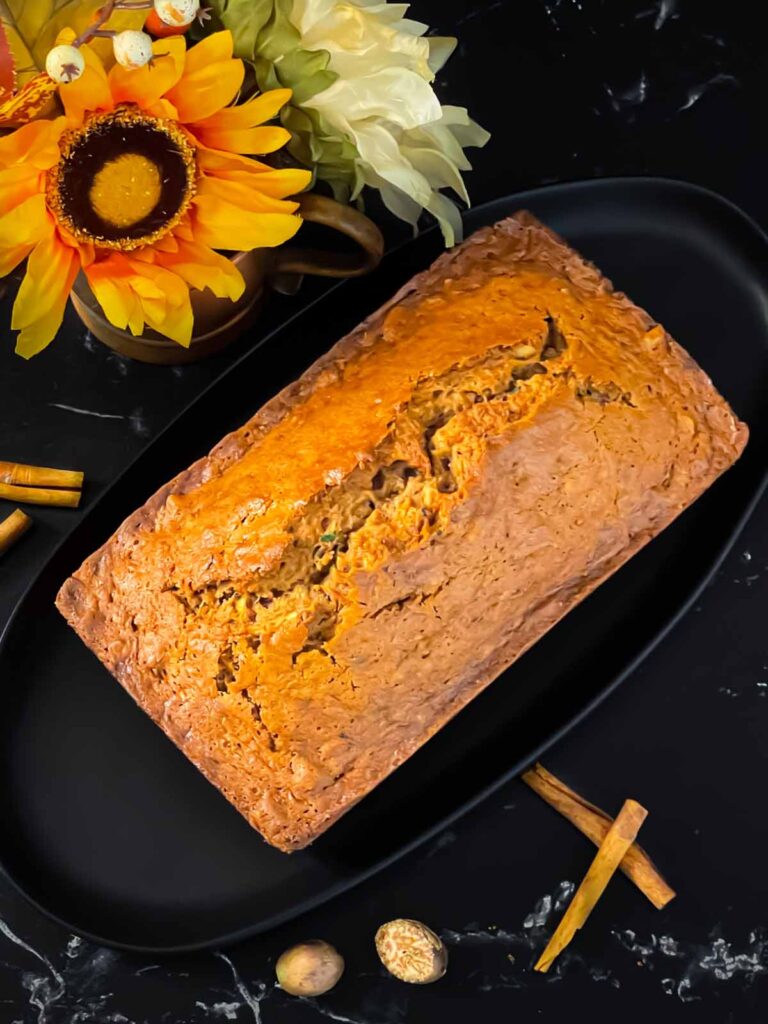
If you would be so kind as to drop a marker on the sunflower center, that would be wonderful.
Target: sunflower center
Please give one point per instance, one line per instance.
(126, 190)
(124, 179)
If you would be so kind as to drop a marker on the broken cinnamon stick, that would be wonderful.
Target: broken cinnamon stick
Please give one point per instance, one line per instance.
(12, 528)
(618, 840)
(594, 823)
(40, 496)
(39, 476)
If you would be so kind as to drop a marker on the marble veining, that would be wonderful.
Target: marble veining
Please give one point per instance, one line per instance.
(77, 985)
(698, 963)
(251, 1000)
(87, 412)
(665, 10)
(695, 92)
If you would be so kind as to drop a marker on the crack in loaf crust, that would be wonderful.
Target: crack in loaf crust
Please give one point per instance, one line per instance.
(307, 605)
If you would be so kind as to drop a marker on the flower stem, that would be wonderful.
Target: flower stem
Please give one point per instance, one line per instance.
(103, 15)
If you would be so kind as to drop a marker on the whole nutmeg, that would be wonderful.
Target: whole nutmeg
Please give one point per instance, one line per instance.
(309, 968)
(411, 951)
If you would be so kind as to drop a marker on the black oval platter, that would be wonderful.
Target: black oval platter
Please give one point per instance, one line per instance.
(109, 829)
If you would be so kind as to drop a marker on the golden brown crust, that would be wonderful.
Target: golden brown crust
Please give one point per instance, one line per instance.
(307, 605)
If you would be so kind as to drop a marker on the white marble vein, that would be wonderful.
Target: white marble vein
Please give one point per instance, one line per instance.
(253, 1002)
(86, 412)
(697, 91)
(700, 964)
(220, 1011)
(665, 11)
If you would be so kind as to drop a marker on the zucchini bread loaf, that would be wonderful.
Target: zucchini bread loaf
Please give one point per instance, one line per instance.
(303, 608)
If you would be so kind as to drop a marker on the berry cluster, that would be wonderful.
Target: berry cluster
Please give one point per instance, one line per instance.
(132, 49)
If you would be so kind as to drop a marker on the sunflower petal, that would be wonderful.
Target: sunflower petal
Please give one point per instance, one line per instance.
(201, 268)
(42, 298)
(17, 184)
(27, 224)
(147, 85)
(35, 144)
(221, 225)
(216, 160)
(89, 92)
(163, 108)
(286, 181)
(11, 258)
(110, 280)
(202, 93)
(176, 324)
(246, 196)
(244, 140)
(214, 48)
(247, 115)
(276, 183)
(112, 293)
(133, 293)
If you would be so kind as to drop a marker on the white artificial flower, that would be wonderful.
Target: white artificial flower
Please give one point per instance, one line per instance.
(408, 145)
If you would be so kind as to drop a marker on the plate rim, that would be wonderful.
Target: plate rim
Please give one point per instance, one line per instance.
(331, 892)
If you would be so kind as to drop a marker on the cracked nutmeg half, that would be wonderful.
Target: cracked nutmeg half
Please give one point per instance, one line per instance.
(125, 179)
(411, 951)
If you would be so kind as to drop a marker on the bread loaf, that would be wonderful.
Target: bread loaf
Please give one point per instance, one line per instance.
(304, 607)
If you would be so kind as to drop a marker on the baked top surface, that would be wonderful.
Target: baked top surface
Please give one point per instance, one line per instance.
(305, 606)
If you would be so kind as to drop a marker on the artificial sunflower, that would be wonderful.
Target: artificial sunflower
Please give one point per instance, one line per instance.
(146, 175)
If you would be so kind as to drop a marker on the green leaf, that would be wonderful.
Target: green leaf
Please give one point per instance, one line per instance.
(245, 19)
(278, 36)
(314, 144)
(306, 73)
(265, 35)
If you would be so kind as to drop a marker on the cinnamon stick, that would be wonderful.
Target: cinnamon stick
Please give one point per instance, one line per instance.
(12, 528)
(594, 823)
(39, 476)
(618, 840)
(40, 496)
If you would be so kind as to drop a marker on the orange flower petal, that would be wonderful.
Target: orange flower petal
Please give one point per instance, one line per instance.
(166, 244)
(132, 293)
(244, 140)
(214, 48)
(17, 184)
(221, 225)
(163, 108)
(39, 308)
(183, 230)
(147, 85)
(276, 183)
(247, 115)
(245, 196)
(201, 268)
(35, 144)
(89, 92)
(11, 258)
(216, 160)
(26, 224)
(176, 323)
(112, 293)
(175, 319)
(202, 93)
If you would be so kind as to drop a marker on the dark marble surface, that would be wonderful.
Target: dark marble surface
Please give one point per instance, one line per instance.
(570, 89)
